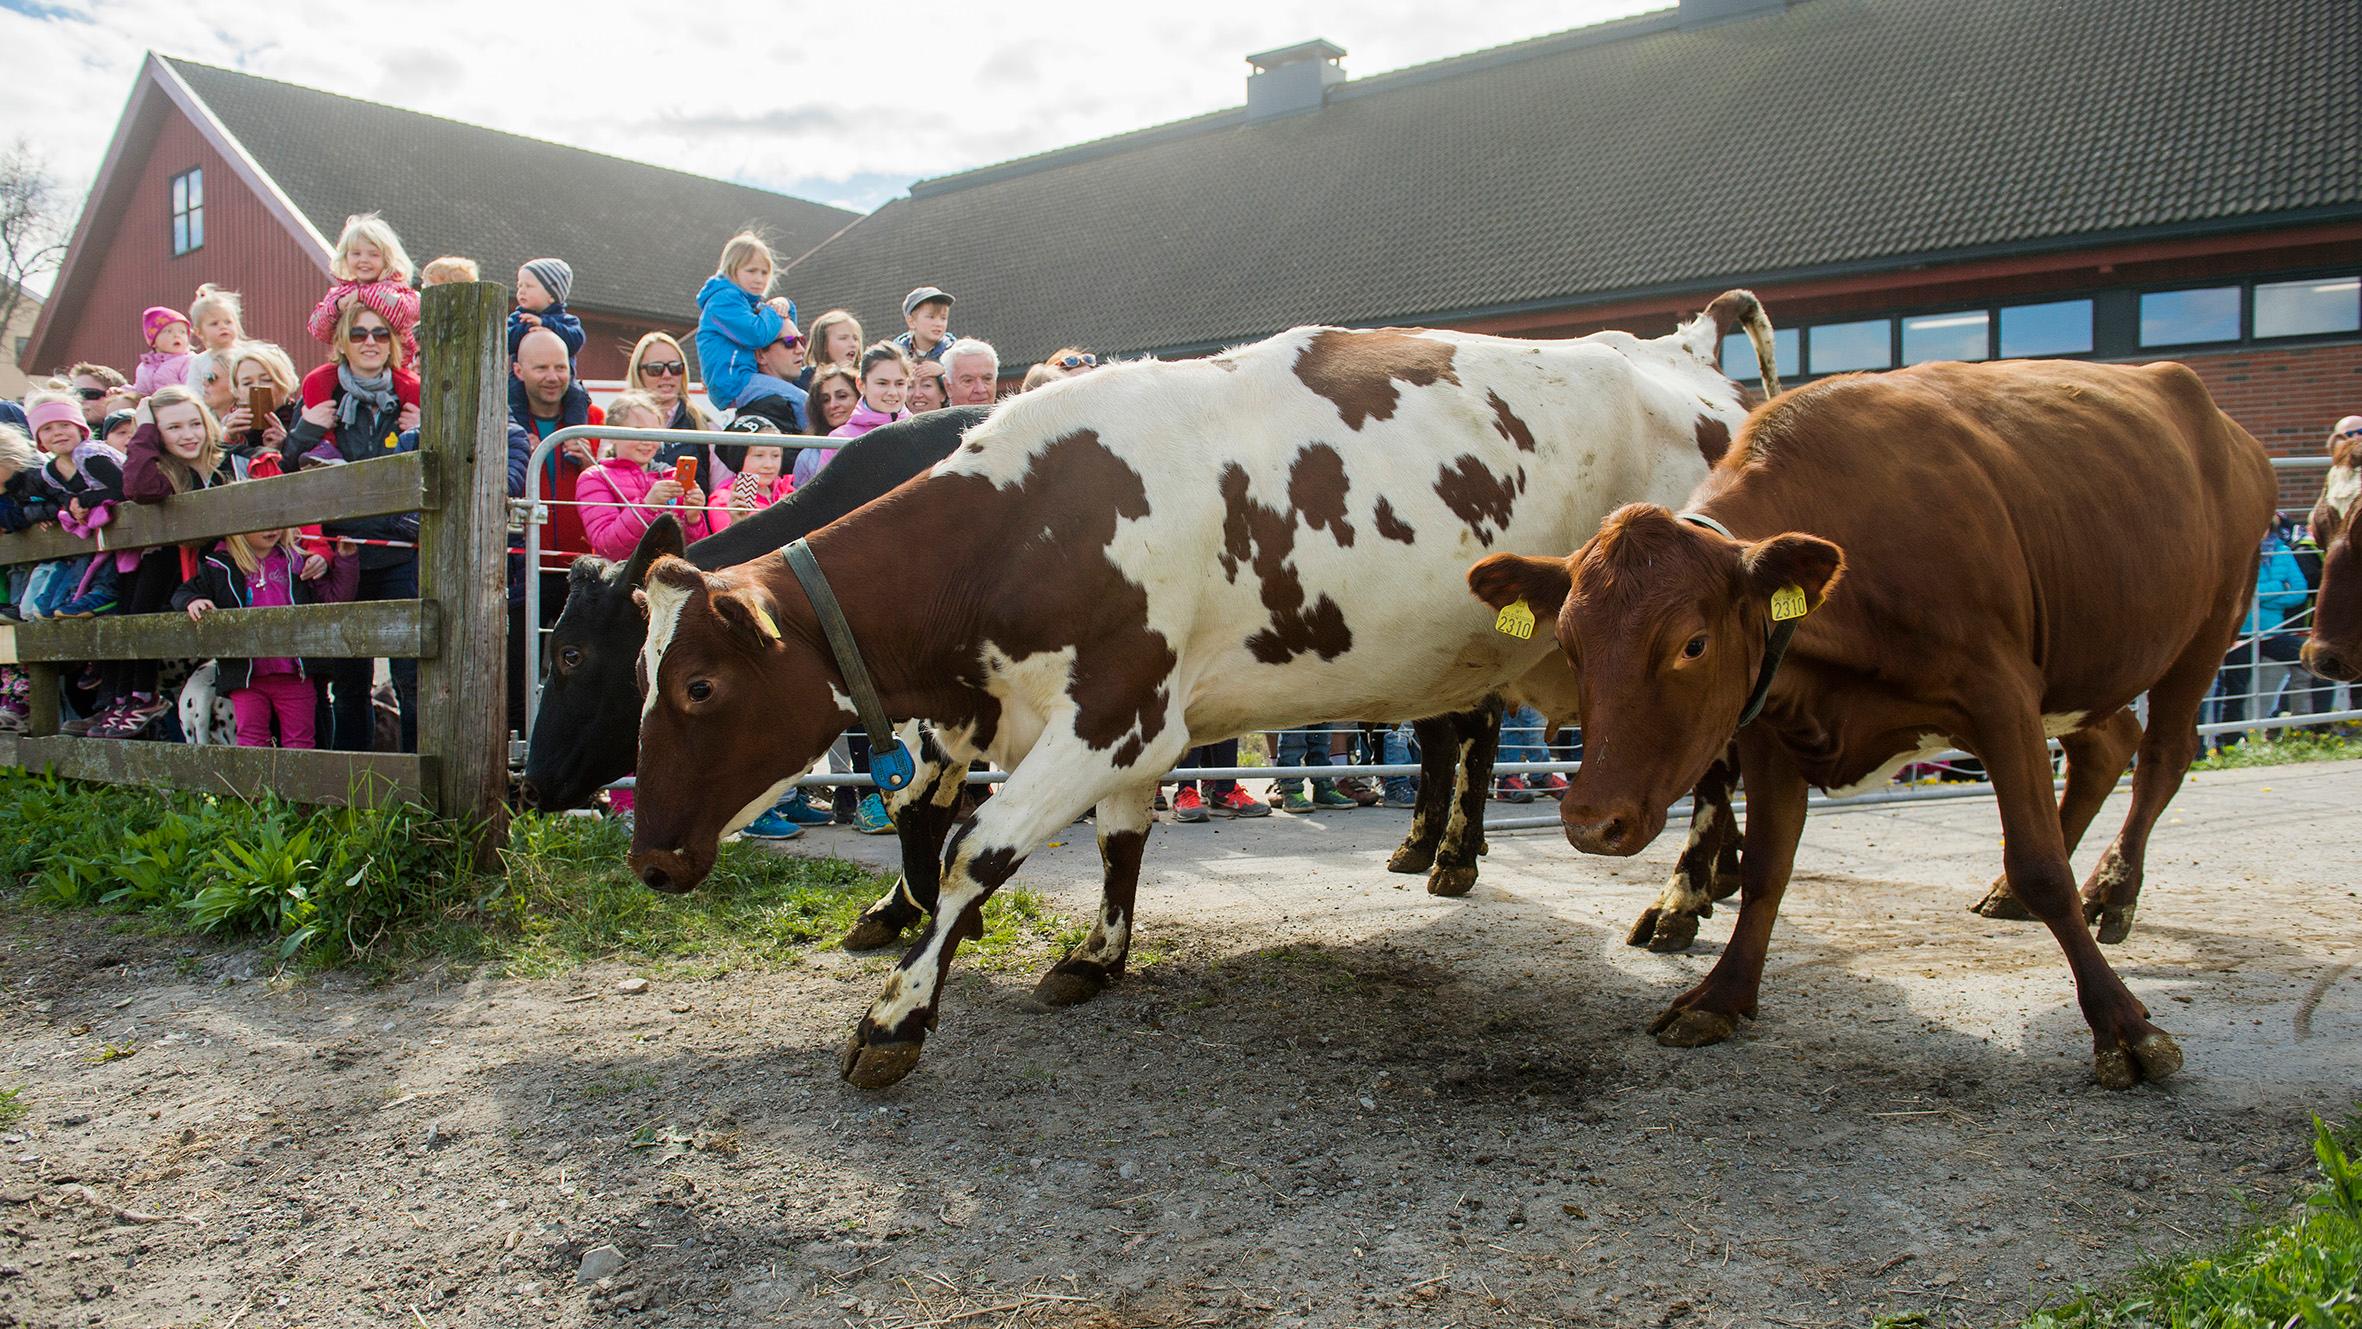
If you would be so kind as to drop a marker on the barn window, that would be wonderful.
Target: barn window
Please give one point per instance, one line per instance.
(2054, 327)
(1738, 355)
(1835, 348)
(2182, 318)
(2303, 308)
(1960, 336)
(188, 211)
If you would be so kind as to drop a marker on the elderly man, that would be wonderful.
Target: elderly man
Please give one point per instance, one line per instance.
(975, 370)
(544, 398)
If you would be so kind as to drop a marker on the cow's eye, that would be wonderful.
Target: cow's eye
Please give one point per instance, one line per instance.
(1695, 648)
(570, 658)
(701, 691)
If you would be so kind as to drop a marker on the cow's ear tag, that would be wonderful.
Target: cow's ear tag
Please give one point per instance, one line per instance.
(1787, 603)
(763, 619)
(1516, 620)
(893, 768)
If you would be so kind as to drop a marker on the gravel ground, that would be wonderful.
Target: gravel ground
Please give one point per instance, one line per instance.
(1321, 1098)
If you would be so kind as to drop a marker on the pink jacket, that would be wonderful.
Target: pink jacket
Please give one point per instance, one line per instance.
(615, 514)
(158, 370)
(865, 418)
(394, 302)
(717, 508)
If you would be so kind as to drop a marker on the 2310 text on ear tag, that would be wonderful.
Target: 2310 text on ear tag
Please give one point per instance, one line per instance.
(1786, 603)
(1516, 620)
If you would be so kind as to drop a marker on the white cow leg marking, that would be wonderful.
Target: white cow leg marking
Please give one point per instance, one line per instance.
(1463, 828)
(922, 812)
(1124, 819)
(1055, 781)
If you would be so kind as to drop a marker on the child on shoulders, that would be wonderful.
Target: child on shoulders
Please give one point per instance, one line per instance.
(219, 317)
(372, 270)
(543, 285)
(737, 316)
(165, 363)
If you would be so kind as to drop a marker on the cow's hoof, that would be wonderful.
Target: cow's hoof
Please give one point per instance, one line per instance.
(1675, 930)
(1693, 1027)
(1071, 983)
(1411, 858)
(1644, 928)
(2152, 1057)
(2113, 922)
(2000, 903)
(870, 1062)
(873, 932)
(1452, 881)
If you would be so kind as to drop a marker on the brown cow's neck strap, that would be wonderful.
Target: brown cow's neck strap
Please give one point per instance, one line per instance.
(1775, 648)
(889, 761)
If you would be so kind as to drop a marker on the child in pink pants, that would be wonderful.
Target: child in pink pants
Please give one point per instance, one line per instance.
(254, 571)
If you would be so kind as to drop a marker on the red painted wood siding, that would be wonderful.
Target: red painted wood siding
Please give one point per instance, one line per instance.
(246, 248)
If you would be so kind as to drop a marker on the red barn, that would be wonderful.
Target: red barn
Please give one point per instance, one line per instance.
(219, 176)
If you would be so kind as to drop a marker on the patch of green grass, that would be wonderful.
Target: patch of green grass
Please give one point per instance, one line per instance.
(107, 1052)
(2305, 1272)
(2284, 747)
(12, 1107)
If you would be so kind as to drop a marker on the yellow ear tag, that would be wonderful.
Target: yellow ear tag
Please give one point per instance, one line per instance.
(1787, 603)
(1517, 620)
(763, 616)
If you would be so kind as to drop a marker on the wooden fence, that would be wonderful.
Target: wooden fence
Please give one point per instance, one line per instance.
(458, 484)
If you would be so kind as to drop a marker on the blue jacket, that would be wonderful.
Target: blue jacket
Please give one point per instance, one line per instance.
(2279, 587)
(556, 319)
(731, 327)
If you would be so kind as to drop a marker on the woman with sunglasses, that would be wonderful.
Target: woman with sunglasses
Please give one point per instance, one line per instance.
(1065, 362)
(659, 369)
(364, 403)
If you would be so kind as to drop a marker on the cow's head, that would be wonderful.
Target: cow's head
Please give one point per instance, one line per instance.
(586, 727)
(2334, 649)
(738, 699)
(1666, 624)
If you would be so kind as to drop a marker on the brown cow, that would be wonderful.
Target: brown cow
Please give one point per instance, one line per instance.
(2334, 649)
(1991, 554)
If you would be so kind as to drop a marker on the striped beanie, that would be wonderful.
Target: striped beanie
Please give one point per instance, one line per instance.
(555, 275)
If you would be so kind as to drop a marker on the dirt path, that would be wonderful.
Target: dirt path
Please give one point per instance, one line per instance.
(1325, 1098)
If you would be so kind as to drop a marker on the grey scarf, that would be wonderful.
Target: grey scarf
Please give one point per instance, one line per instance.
(376, 394)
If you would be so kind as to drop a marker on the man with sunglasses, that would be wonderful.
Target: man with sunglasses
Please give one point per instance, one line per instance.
(771, 391)
(99, 389)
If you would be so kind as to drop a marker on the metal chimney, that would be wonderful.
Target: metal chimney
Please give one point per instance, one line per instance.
(1292, 78)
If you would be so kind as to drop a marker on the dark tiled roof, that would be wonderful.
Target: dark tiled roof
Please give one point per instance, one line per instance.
(1637, 157)
(641, 238)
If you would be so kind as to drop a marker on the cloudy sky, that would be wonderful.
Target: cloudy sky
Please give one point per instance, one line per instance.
(846, 105)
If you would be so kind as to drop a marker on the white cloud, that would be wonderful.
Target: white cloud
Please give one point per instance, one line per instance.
(847, 104)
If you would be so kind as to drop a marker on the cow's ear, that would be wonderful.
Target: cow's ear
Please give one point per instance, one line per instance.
(1806, 562)
(1505, 579)
(587, 571)
(662, 537)
(747, 613)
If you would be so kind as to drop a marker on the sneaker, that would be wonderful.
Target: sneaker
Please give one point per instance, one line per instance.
(1237, 802)
(800, 810)
(1513, 789)
(1294, 800)
(1326, 795)
(1162, 804)
(77, 728)
(1402, 793)
(1281, 790)
(1188, 805)
(90, 604)
(871, 819)
(139, 711)
(772, 825)
(1551, 785)
(12, 721)
(1358, 788)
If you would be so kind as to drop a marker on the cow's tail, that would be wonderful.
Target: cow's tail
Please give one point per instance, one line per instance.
(1733, 311)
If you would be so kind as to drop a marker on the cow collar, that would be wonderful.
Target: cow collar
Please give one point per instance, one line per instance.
(1775, 647)
(889, 762)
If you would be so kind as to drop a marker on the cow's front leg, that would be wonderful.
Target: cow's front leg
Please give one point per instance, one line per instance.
(923, 811)
(1060, 777)
(1463, 831)
(1439, 738)
(1709, 866)
(1123, 820)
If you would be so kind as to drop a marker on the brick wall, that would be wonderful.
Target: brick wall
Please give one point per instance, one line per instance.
(2287, 398)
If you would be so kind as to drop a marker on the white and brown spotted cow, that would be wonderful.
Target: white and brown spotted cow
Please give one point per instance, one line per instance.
(1114, 568)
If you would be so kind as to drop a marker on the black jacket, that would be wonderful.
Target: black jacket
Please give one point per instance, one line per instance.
(219, 579)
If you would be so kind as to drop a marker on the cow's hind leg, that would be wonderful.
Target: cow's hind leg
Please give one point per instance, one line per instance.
(1463, 829)
(2096, 758)
(1439, 739)
(1046, 791)
(1709, 866)
(2126, 1048)
(1123, 823)
(923, 812)
(2113, 893)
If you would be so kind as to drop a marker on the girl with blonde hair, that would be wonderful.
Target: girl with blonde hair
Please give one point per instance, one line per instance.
(372, 271)
(218, 315)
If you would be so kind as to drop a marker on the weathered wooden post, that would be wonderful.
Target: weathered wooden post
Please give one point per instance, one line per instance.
(463, 553)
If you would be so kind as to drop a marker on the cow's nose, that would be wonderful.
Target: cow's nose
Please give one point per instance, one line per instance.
(2328, 664)
(657, 877)
(1617, 831)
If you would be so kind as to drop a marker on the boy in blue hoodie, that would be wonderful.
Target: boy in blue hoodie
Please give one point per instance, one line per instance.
(542, 287)
(737, 317)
